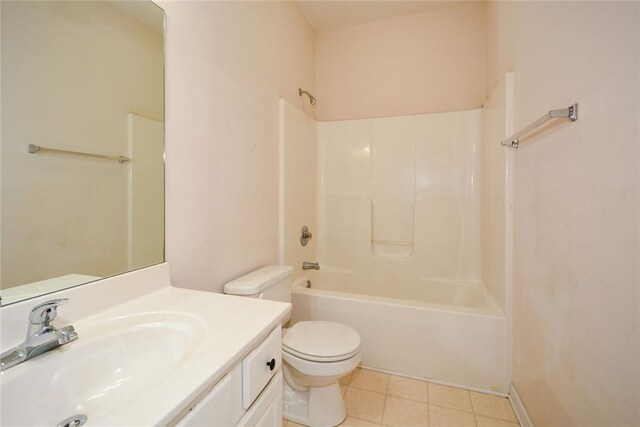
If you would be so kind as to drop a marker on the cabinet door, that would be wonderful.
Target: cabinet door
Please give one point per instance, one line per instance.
(267, 410)
(272, 417)
(221, 407)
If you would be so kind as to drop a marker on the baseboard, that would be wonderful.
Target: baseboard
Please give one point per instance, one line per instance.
(518, 408)
(431, 380)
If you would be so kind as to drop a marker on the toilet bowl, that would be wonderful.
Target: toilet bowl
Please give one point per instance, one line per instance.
(315, 353)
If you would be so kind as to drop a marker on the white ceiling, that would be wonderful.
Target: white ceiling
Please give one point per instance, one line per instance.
(325, 14)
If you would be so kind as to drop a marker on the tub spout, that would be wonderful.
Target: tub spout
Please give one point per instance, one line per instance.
(310, 265)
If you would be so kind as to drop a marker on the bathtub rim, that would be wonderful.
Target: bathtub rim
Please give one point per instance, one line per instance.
(298, 286)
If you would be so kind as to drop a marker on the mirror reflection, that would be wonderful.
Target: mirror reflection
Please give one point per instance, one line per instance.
(82, 167)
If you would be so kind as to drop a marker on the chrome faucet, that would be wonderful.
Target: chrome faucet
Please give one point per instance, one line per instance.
(310, 265)
(41, 335)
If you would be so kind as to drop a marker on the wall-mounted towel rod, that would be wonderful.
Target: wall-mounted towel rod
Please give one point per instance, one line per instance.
(33, 149)
(570, 113)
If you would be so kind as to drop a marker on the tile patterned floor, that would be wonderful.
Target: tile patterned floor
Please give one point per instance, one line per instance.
(375, 399)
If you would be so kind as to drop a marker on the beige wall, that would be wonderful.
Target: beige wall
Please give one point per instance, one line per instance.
(422, 63)
(576, 296)
(71, 73)
(227, 65)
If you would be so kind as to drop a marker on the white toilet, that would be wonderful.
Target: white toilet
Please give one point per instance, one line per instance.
(315, 353)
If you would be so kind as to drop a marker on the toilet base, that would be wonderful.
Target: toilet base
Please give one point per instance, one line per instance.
(316, 407)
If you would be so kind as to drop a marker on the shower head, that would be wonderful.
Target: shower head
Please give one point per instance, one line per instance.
(312, 99)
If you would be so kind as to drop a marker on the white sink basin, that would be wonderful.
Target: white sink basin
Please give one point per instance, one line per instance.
(112, 364)
(145, 352)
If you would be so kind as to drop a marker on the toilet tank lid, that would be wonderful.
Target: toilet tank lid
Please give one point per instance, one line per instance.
(258, 280)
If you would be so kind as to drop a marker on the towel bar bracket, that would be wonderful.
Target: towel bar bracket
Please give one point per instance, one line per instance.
(570, 113)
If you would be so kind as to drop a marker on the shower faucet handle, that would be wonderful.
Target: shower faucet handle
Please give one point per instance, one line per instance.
(305, 235)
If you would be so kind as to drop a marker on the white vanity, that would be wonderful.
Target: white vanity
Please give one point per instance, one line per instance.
(149, 354)
(249, 395)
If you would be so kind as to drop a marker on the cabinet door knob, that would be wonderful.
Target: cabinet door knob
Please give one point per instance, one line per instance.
(271, 364)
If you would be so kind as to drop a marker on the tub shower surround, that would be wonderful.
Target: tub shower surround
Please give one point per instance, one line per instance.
(409, 230)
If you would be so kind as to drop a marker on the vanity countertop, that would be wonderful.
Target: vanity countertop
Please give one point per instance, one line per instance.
(191, 339)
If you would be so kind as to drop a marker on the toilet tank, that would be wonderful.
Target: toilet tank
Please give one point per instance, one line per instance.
(272, 282)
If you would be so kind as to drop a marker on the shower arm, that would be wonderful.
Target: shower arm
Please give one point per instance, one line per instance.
(312, 99)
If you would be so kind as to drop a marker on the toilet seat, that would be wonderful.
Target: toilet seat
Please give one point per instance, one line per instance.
(319, 359)
(319, 369)
(321, 341)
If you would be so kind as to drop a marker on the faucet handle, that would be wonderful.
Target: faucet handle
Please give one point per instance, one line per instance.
(43, 314)
(305, 235)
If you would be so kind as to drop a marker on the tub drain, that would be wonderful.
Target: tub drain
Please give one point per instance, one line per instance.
(73, 421)
(308, 284)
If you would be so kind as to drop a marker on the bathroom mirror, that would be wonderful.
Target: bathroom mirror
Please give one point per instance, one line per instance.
(82, 142)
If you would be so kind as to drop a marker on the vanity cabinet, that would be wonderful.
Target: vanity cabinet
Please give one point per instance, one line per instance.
(267, 410)
(248, 396)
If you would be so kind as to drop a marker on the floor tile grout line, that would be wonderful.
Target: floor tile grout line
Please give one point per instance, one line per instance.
(384, 406)
(488, 416)
(364, 419)
(473, 409)
(396, 397)
(474, 414)
(409, 399)
(496, 418)
(388, 376)
(471, 404)
(361, 419)
(428, 406)
(366, 389)
(454, 409)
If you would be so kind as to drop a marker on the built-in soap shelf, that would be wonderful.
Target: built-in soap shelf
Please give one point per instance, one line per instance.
(392, 249)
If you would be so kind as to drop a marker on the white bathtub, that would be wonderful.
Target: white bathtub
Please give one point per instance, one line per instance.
(444, 331)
